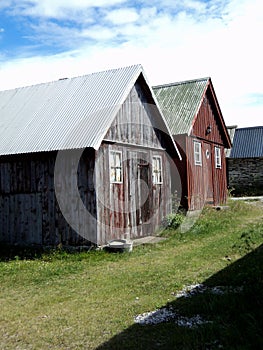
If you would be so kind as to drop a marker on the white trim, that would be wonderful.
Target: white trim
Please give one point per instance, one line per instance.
(198, 153)
(115, 169)
(218, 158)
(157, 170)
(137, 145)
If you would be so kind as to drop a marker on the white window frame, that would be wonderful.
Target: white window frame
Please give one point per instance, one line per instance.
(218, 158)
(157, 170)
(115, 167)
(198, 153)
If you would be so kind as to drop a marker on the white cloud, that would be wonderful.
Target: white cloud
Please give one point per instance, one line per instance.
(59, 8)
(122, 16)
(194, 5)
(5, 4)
(171, 46)
(98, 32)
(51, 33)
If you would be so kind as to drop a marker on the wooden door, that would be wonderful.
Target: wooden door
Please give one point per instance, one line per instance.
(139, 187)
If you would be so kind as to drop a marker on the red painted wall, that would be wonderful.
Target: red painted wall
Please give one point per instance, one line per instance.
(203, 184)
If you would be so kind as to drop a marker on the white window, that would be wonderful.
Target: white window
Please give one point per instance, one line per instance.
(218, 161)
(198, 153)
(157, 170)
(115, 167)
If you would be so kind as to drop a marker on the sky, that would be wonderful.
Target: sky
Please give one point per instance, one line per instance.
(174, 40)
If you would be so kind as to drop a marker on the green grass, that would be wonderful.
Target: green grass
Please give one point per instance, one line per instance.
(88, 300)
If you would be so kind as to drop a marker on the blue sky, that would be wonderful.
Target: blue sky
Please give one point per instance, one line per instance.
(43, 40)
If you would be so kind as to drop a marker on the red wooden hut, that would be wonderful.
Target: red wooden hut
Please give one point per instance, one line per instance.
(194, 116)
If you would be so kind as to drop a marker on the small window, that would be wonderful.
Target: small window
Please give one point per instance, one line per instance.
(115, 167)
(197, 153)
(218, 161)
(157, 170)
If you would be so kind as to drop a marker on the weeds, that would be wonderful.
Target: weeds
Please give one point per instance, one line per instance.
(248, 238)
(173, 221)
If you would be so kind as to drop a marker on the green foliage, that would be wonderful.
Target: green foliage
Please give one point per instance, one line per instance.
(173, 221)
(248, 238)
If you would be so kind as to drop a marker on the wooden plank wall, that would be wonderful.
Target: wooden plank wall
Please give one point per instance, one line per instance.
(198, 176)
(196, 187)
(135, 207)
(206, 117)
(220, 181)
(180, 176)
(29, 212)
(133, 133)
(135, 120)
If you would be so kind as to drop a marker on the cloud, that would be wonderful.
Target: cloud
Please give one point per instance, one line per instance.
(254, 99)
(173, 40)
(48, 33)
(122, 16)
(5, 4)
(98, 33)
(59, 9)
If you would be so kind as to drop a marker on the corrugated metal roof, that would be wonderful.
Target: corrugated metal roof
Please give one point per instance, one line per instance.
(180, 102)
(248, 143)
(65, 114)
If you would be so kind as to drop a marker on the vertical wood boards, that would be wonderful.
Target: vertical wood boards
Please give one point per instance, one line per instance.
(206, 183)
(135, 207)
(29, 212)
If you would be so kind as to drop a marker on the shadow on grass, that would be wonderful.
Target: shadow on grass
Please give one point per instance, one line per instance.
(12, 252)
(19, 252)
(235, 315)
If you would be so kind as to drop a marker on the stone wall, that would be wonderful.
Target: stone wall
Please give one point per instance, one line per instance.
(245, 176)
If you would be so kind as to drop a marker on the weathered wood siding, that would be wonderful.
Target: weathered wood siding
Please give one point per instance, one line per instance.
(205, 117)
(203, 184)
(220, 180)
(135, 207)
(197, 177)
(29, 212)
(136, 123)
(181, 186)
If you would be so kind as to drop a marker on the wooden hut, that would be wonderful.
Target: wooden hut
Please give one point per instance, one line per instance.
(194, 116)
(83, 160)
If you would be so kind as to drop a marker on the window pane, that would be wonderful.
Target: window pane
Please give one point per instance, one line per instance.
(218, 157)
(197, 153)
(157, 170)
(118, 175)
(115, 160)
(111, 159)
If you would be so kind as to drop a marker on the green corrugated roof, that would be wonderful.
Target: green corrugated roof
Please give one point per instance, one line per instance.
(180, 102)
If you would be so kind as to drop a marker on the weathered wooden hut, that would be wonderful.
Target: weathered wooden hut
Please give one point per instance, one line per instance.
(194, 116)
(83, 160)
(245, 162)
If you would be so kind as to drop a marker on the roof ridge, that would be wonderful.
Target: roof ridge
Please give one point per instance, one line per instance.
(182, 82)
(251, 127)
(73, 77)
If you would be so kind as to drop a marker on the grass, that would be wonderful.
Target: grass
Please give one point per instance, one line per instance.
(88, 300)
